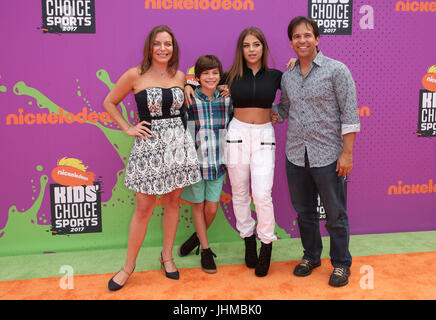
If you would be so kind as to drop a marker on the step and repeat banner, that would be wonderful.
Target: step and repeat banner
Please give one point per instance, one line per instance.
(64, 159)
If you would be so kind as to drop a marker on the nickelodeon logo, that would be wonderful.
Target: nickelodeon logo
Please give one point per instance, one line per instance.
(429, 80)
(190, 77)
(406, 189)
(71, 172)
(415, 6)
(55, 118)
(237, 5)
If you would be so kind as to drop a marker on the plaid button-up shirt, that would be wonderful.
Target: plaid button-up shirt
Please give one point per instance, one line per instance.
(208, 121)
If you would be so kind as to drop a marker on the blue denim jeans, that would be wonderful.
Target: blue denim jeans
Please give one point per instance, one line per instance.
(304, 185)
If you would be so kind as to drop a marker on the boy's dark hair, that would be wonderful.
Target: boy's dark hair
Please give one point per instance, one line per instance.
(299, 20)
(207, 62)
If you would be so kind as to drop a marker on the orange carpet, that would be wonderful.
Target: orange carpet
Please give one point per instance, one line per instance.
(398, 276)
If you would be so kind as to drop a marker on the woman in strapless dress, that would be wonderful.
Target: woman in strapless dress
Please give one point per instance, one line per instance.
(163, 159)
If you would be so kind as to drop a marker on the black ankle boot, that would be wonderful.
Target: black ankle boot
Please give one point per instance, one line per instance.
(207, 263)
(264, 260)
(250, 251)
(189, 245)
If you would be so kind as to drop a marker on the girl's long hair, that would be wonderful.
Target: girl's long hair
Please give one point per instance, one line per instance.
(173, 64)
(236, 70)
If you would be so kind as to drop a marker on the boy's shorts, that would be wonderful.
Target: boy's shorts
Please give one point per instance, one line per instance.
(209, 190)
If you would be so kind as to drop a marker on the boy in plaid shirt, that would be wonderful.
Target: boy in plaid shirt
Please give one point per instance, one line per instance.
(211, 114)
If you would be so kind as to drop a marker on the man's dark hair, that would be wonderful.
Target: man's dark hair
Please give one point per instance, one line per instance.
(299, 20)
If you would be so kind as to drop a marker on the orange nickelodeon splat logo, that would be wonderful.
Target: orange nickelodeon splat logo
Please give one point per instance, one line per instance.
(190, 77)
(71, 172)
(429, 80)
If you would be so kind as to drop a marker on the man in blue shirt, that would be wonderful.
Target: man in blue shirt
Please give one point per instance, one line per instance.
(319, 98)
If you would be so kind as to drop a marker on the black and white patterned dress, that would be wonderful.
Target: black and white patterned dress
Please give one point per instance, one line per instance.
(168, 160)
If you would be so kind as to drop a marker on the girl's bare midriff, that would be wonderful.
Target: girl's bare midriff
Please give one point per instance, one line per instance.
(253, 115)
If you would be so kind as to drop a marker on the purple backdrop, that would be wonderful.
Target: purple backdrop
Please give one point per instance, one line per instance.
(387, 61)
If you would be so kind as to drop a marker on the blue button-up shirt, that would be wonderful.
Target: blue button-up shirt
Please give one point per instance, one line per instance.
(321, 107)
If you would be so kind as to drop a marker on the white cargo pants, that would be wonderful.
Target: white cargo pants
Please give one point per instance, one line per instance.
(250, 155)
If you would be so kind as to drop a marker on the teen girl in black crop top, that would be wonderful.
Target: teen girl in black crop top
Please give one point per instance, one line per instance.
(251, 145)
(256, 90)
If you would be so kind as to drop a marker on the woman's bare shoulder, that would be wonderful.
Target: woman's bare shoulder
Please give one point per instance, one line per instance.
(180, 74)
(134, 72)
(180, 77)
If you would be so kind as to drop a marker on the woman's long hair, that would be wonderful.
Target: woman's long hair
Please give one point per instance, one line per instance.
(237, 67)
(173, 64)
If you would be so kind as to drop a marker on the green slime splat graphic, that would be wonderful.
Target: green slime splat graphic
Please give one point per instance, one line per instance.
(21, 236)
(22, 223)
(3, 88)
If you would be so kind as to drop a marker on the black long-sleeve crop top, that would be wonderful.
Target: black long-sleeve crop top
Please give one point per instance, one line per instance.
(255, 90)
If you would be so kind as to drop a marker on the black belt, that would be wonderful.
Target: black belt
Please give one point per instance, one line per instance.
(150, 119)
